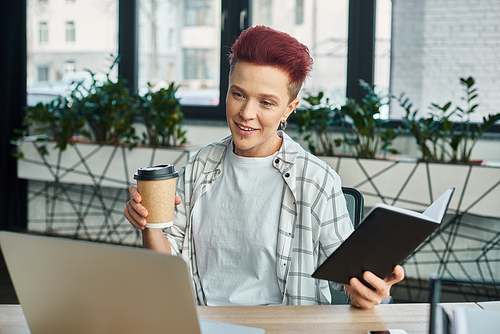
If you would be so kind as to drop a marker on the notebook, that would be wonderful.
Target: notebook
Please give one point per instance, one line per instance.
(72, 286)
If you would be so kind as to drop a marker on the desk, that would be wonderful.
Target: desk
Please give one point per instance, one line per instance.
(414, 318)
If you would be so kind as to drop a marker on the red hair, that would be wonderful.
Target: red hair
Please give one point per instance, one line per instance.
(262, 45)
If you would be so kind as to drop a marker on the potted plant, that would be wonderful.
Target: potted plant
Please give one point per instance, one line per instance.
(314, 122)
(92, 132)
(363, 132)
(447, 133)
(163, 118)
(367, 134)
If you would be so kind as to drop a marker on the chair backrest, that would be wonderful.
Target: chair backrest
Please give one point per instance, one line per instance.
(355, 204)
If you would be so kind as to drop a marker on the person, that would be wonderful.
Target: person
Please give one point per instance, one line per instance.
(255, 213)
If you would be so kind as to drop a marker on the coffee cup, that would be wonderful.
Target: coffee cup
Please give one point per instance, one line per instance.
(156, 184)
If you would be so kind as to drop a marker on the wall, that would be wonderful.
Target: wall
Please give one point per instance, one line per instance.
(202, 133)
(435, 42)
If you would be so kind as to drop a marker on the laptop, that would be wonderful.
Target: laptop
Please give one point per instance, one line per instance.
(74, 286)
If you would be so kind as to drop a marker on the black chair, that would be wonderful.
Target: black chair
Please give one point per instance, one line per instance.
(355, 204)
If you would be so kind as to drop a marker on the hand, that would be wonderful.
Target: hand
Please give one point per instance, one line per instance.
(364, 297)
(135, 212)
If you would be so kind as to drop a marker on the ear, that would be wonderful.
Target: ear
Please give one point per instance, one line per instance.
(291, 108)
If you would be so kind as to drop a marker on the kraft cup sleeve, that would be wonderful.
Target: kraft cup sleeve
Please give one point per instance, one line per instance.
(158, 197)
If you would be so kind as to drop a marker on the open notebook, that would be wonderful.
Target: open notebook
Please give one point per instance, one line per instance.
(70, 286)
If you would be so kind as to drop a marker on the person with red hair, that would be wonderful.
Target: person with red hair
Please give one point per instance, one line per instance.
(256, 213)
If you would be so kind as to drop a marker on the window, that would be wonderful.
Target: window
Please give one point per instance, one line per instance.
(198, 64)
(299, 12)
(43, 32)
(68, 67)
(43, 73)
(70, 31)
(323, 29)
(179, 41)
(49, 61)
(382, 68)
(199, 12)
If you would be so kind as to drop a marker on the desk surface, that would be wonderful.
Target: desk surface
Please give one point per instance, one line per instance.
(413, 318)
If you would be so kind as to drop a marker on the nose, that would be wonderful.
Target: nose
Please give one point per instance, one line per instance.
(247, 113)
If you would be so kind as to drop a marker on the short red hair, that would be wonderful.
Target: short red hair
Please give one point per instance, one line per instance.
(262, 45)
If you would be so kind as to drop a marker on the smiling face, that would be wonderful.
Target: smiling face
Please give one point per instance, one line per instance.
(257, 101)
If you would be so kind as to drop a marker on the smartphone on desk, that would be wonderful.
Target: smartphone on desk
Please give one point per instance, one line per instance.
(389, 331)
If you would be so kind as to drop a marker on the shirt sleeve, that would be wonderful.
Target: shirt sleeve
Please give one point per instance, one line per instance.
(336, 226)
(176, 233)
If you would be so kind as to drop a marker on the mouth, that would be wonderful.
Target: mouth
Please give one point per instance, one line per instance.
(245, 130)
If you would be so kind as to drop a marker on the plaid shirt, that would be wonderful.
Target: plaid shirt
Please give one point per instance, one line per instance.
(313, 221)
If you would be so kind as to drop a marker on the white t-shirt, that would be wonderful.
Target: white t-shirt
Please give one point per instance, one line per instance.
(235, 231)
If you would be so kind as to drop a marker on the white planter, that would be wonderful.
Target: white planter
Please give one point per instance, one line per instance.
(93, 164)
(467, 244)
(82, 191)
(414, 185)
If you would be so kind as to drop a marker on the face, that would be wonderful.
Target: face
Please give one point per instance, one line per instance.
(257, 101)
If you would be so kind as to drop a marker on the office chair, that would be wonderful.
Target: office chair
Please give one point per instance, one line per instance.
(355, 204)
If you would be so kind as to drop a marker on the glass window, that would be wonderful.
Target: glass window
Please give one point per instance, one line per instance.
(43, 32)
(383, 51)
(69, 67)
(299, 11)
(199, 12)
(323, 30)
(179, 41)
(70, 31)
(43, 73)
(53, 63)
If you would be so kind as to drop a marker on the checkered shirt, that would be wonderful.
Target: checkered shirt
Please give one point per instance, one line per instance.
(313, 220)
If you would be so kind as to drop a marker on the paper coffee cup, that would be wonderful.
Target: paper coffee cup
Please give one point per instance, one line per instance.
(156, 184)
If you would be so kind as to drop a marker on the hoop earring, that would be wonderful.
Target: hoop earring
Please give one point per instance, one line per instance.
(283, 125)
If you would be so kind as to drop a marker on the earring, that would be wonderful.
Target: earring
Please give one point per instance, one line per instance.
(283, 125)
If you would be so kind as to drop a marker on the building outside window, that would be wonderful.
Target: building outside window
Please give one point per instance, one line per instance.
(70, 31)
(323, 28)
(43, 32)
(299, 11)
(198, 64)
(199, 12)
(179, 41)
(69, 67)
(43, 73)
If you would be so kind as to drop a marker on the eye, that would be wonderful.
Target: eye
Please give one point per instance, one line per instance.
(237, 95)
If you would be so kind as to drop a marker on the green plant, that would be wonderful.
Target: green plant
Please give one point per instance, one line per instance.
(108, 109)
(163, 118)
(366, 133)
(447, 132)
(314, 122)
(55, 120)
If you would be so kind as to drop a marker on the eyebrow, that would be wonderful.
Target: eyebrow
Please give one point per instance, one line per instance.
(265, 96)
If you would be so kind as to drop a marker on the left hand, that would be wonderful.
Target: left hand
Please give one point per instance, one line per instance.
(364, 297)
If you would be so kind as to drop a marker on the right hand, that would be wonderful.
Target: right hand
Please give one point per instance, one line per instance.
(135, 212)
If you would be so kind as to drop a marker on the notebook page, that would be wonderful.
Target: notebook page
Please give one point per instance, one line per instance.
(437, 209)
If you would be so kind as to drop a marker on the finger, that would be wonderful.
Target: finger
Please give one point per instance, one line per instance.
(356, 299)
(138, 208)
(397, 276)
(131, 219)
(134, 194)
(381, 287)
(137, 212)
(177, 200)
(363, 291)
